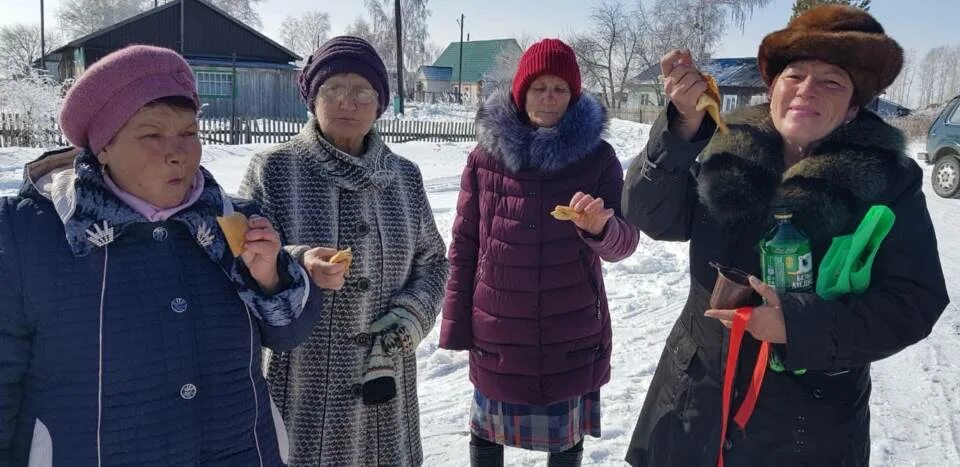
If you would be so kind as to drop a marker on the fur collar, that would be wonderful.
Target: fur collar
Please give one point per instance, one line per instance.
(93, 216)
(743, 176)
(519, 146)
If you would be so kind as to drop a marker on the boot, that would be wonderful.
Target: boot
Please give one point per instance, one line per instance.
(487, 455)
(569, 458)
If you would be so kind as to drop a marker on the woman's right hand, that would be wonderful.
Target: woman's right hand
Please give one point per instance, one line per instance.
(325, 274)
(683, 84)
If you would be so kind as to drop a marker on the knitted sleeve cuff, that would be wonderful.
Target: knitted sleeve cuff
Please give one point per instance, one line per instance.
(282, 307)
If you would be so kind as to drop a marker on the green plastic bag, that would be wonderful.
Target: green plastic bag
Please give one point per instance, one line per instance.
(846, 266)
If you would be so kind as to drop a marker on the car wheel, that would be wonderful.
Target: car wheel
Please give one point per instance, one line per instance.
(946, 176)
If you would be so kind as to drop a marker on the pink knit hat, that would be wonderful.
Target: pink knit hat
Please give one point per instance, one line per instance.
(106, 95)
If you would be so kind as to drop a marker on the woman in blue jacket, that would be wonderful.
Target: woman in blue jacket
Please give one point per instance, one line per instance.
(130, 334)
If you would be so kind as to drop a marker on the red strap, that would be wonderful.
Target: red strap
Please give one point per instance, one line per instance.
(740, 319)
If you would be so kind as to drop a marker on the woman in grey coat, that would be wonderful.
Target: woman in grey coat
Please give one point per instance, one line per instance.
(348, 395)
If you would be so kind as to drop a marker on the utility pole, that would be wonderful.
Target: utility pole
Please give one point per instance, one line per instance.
(43, 59)
(183, 4)
(396, 14)
(460, 67)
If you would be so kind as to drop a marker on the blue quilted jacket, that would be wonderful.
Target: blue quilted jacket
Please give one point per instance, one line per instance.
(128, 342)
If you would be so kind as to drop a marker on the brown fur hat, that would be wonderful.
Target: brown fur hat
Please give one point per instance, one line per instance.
(841, 35)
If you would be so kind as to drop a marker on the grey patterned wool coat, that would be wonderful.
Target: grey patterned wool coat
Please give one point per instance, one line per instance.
(376, 204)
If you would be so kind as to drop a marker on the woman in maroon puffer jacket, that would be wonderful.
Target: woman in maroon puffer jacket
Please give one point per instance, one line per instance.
(526, 293)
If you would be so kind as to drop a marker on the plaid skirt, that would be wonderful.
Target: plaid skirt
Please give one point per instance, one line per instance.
(551, 428)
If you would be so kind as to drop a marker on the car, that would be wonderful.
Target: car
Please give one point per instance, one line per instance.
(943, 151)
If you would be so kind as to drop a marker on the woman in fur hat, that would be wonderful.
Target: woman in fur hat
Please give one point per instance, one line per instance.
(130, 328)
(349, 393)
(526, 294)
(815, 149)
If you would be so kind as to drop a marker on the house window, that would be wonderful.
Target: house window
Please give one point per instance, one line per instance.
(757, 99)
(215, 83)
(729, 102)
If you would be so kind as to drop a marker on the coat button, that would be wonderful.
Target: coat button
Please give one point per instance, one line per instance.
(188, 391)
(363, 283)
(160, 234)
(531, 193)
(356, 389)
(363, 339)
(363, 229)
(178, 305)
(727, 444)
(532, 226)
(817, 393)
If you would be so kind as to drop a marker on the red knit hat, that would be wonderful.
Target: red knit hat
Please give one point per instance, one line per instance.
(547, 57)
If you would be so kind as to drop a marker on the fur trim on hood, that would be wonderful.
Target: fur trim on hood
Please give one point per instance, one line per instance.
(503, 133)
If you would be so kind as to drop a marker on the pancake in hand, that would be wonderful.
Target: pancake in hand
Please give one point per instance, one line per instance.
(343, 256)
(234, 228)
(710, 101)
(565, 213)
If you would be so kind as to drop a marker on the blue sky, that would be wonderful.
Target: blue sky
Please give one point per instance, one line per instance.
(916, 24)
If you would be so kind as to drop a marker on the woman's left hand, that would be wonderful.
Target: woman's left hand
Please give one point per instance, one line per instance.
(261, 250)
(593, 216)
(766, 323)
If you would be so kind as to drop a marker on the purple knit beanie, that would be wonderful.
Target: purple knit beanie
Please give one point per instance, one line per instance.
(344, 54)
(106, 95)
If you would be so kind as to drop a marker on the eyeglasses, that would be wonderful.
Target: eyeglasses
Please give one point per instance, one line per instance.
(336, 92)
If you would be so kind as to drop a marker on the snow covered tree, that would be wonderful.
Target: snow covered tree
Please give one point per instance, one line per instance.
(505, 66)
(381, 32)
(801, 6)
(80, 17)
(34, 100)
(305, 32)
(362, 29)
(19, 48)
(243, 10)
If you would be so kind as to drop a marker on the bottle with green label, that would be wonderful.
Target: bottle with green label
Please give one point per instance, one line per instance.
(787, 265)
(785, 256)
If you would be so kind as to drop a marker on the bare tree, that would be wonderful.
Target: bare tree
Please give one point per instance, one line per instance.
(622, 43)
(901, 89)
(930, 74)
(305, 32)
(609, 53)
(80, 17)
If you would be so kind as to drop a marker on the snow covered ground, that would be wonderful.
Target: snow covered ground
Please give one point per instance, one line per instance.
(916, 399)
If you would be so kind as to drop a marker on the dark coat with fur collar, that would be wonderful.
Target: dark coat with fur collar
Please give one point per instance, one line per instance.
(721, 203)
(525, 292)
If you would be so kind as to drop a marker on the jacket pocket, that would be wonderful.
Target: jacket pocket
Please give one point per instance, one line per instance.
(682, 351)
(592, 281)
(481, 353)
(480, 262)
(41, 448)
